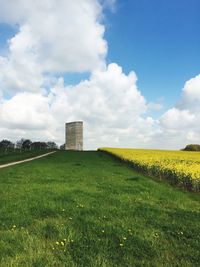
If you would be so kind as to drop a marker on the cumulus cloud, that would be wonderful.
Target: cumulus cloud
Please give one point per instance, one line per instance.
(191, 95)
(180, 125)
(66, 36)
(22, 69)
(53, 37)
(109, 103)
(178, 119)
(26, 111)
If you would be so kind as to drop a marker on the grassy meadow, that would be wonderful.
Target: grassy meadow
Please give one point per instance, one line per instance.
(85, 209)
(16, 155)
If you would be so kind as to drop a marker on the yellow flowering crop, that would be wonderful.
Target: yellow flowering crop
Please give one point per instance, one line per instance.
(179, 167)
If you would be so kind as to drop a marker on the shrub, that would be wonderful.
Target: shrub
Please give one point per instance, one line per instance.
(192, 147)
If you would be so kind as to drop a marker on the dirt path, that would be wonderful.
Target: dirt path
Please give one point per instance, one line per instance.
(25, 160)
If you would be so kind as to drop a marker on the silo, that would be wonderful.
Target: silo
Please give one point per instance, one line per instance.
(74, 135)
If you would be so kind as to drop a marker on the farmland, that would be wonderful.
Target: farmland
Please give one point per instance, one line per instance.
(88, 209)
(10, 155)
(181, 168)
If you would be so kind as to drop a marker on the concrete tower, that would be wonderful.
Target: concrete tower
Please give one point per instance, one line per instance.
(74, 135)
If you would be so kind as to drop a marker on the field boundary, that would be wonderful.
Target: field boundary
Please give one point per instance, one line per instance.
(25, 160)
(187, 183)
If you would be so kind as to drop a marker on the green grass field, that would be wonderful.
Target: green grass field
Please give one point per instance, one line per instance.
(87, 209)
(18, 155)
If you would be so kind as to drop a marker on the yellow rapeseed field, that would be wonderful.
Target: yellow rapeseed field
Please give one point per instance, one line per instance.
(179, 167)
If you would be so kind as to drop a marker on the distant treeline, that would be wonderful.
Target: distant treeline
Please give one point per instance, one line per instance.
(192, 147)
(26, 144)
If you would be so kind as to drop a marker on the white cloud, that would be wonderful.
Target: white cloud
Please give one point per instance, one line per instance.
(180, 125)
(109, 103)
(22, 69)
(65, 37)
(54, 36)
(175, 118)
(26, 111)
(191, 95)
(68, 36)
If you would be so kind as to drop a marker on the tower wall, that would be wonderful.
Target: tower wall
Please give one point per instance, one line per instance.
(74, 135)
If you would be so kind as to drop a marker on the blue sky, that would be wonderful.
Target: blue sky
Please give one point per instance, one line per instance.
(160, 41)
(85, 40)
(6, 32)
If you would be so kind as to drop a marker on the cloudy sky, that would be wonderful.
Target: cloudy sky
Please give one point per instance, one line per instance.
(130, 69)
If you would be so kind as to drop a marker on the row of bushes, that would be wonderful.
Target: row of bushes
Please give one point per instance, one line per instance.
(8, 147)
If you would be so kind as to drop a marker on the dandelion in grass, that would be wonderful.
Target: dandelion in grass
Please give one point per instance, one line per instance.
(13, 227)
(180, 233)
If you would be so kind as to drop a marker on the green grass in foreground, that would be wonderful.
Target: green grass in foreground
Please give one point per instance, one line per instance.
(12, 156)
(86, 209)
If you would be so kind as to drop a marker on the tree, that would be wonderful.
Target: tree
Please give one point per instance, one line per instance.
(192, 147)
(52, 145)
(62, 147)
(19, 143)
(26, 144)
(6, 144)
(38, 145)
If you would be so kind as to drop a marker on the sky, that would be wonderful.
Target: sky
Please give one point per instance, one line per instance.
(129, 69)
